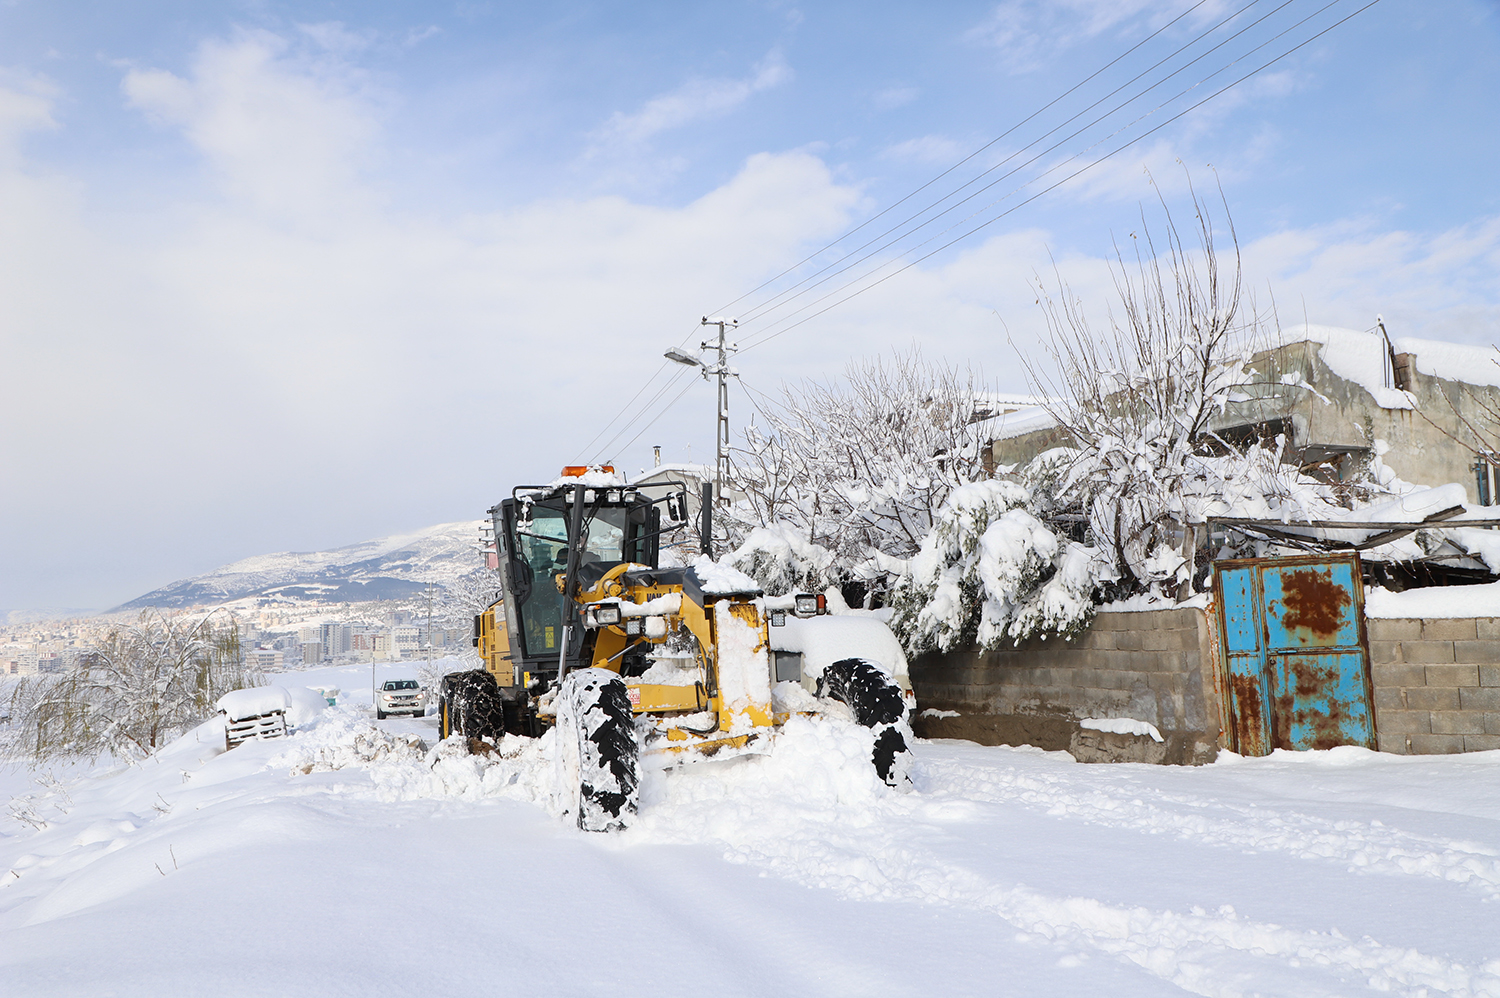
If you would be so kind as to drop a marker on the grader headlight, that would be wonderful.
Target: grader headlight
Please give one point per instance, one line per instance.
(602, 615)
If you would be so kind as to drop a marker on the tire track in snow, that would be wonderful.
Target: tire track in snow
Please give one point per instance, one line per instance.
(813, 813)
(1366, 846)
(879, 857)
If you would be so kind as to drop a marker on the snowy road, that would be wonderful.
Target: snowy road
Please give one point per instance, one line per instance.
(1006, 872)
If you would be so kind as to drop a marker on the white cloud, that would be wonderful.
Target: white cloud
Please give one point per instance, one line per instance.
(893, 97)
(1030, 33)
(290, 134)
(293, 363)
(230, 378)
(25, 106)
(695, 100)
(929, 150)
(1443, 285)
(335, 37)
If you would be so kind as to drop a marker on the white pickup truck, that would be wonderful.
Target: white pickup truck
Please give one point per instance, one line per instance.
(398, 695)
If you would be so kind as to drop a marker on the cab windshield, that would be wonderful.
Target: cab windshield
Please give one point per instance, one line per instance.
(543, 547)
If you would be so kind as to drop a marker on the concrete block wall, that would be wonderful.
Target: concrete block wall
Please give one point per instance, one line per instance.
(1153, 666)
(1436, 684)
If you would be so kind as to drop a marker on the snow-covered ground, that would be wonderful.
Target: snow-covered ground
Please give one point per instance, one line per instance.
(263, 871)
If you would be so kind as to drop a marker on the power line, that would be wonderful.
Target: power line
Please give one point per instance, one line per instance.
(645, 385)
(639, 391)
(1018, 168)
(765, 307)
(652, 421)
(761, 308)
(876, 269)
(976, 152)
(765, 338)
(672, 381)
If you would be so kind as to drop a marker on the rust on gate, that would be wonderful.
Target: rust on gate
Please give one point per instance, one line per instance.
(1313, 601)
(1246, 709)
(1321, 726)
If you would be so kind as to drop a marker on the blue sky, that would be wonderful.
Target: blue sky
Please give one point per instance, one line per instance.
(291, 275)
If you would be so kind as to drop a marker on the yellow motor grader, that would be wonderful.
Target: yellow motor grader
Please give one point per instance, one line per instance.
(593, 637)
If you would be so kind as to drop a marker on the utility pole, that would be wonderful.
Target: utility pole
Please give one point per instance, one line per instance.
(721, 469)
(721, 369)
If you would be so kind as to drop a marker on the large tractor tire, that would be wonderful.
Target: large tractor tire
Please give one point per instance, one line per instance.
(598, 754)
(877, 704)
(471, 706)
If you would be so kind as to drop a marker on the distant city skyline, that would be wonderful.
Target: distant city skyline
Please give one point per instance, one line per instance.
(287, 276)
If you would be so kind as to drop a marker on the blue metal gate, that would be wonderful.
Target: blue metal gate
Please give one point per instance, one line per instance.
(1292, 634)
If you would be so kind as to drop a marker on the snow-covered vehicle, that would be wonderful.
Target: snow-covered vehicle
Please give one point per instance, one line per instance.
(594, 638)
(258, 712)
(267, 711)
(397, 694)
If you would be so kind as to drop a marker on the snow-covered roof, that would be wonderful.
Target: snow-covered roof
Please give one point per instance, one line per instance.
(1021, 422)
(1363, 358)
(672, 471)
(1357, 356)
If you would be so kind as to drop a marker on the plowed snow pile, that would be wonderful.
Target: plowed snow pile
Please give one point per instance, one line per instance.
(362, 858)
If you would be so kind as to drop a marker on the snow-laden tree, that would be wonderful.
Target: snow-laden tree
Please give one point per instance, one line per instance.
(846, 478)
(132, 692)
(783, 561)
(991, 572)
(1139, 398)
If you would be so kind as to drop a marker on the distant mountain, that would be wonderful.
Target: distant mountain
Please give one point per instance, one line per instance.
(385, 569)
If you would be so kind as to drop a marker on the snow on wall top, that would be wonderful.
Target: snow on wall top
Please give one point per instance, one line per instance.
(1122, 726)
(1435, 601)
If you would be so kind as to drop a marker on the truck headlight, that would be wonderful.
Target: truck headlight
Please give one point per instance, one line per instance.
(602, 616)
(806, 605)
(633, 626)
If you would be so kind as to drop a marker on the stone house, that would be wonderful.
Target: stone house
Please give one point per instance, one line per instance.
(1334, 393)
